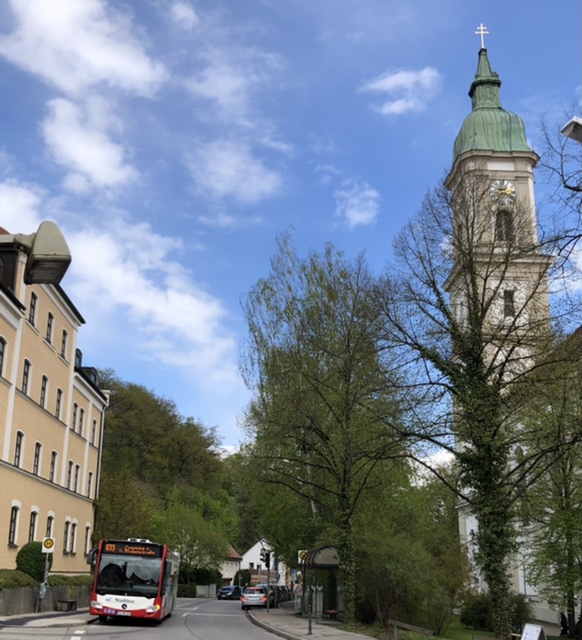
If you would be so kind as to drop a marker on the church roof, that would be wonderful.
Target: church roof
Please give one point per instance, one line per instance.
(489, 127)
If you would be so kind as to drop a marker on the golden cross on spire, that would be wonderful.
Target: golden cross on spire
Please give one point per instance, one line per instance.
(482, 31)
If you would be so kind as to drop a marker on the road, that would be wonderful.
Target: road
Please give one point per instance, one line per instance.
(199, 619)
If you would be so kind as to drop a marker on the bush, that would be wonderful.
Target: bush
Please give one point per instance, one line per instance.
(31, 560)
(59, 580)
(11, 579)
(476, 613)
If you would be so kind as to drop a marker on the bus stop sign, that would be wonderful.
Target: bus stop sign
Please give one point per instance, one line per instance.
(48, 545)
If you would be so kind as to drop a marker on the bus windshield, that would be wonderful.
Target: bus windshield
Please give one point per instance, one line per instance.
(129, 575)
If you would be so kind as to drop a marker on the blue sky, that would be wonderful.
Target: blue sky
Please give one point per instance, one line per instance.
(173, 140)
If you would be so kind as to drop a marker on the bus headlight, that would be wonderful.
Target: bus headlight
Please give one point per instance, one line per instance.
(154, 608)
(96, 604)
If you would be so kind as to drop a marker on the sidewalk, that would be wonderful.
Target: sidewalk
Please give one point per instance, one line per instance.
(79, 618)
(285, 623)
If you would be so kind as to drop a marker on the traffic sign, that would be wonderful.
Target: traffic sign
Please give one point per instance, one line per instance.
(48, 545)
(301, 555)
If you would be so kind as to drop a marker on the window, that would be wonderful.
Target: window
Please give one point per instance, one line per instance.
(64, 344)
(77, 470)
(59, 402)
(49, 328)
(508, 304)
(69, 474)
(53, 466)
(25, 376)
(87, 539)
(93, 431)
(18, 448)
(73, 543)
(32, 309)
(2, 352)
(12, 529)
(32, 526)
(36, 464)
(66, 537)
(43, 388)
(89, 484)
(50, 523)
(81, 420)
(504, 226)
(74, 420)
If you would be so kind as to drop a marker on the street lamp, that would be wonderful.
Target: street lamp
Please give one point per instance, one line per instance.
(573, 129)
(47, 250)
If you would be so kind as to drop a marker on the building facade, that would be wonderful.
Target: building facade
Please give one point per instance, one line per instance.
(51, 421)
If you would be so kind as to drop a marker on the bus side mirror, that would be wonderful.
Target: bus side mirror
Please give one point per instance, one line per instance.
(91, 557)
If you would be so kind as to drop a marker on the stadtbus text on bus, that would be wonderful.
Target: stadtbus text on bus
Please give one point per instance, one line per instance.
(133, 577)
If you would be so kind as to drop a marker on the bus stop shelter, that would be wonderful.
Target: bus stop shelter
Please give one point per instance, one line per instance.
(322, 592)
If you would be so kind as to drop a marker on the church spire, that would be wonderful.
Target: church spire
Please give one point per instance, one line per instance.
(489, 127)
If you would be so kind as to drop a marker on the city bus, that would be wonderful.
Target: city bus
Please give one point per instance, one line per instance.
(134, 578)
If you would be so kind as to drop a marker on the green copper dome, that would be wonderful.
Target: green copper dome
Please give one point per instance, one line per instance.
(489, 127)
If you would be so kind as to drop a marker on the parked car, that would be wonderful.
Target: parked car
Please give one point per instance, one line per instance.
(253, 597)
(271, 590)
(229, 592)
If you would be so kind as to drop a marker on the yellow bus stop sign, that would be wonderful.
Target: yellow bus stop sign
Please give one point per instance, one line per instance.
(48, 545)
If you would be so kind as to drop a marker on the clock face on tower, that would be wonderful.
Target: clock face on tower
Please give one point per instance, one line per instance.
(502, 191)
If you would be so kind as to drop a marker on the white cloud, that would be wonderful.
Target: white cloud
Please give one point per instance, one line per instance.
(229, 77)
(407, 91)
(184, 16)
(78, 139)
(77, 44)
(171, 320)
(357, 204)
(228, 169)
(19, 206)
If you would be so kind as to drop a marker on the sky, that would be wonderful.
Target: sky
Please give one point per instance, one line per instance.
(173, 141)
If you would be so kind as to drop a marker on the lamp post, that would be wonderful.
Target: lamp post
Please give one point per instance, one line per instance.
(573, 129)
(48, 255)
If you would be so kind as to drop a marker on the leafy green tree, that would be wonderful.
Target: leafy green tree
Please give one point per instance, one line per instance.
(323, 410)
(552, 509)
(125, 507)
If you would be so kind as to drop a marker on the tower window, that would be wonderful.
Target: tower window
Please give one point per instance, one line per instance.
(81, 420)
(504, 226)
(74, 421)
(508, 303)
(77, 471)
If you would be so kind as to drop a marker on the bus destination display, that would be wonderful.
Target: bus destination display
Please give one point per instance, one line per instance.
(132, 548)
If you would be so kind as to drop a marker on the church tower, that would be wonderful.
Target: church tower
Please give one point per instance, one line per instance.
(495, 224)
(498, 281)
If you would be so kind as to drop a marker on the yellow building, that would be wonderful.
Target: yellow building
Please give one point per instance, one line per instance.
(51, 420)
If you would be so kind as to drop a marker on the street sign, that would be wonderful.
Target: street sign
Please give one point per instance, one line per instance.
(301, 555)
(48, 545)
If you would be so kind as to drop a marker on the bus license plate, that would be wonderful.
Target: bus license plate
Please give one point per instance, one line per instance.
(124, 613)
